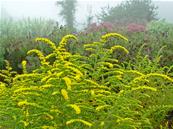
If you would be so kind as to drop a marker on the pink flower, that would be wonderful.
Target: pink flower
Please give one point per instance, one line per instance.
(107, 26)
(133, 27)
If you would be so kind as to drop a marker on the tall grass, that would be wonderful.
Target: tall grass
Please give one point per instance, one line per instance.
(17, 37)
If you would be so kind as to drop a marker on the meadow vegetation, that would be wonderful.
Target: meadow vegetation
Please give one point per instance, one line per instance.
(94, 88)
(54, 78)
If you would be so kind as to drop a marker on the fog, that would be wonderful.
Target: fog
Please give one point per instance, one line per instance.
(43, 8)
(165, 8)
(48, 9)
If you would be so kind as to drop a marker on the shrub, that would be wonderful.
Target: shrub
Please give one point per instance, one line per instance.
(135, 27)
(78, 91)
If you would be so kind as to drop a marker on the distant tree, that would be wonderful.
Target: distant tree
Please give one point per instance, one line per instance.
(68, 9)
(137, 11)
(90, 16)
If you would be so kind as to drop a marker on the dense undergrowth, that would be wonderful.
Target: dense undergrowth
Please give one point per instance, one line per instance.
(17, 38)
(89, 90)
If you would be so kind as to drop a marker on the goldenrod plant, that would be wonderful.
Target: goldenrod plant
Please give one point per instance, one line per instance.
(85, 91)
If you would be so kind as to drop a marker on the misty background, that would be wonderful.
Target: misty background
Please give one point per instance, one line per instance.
(23, 20)
(19, 9)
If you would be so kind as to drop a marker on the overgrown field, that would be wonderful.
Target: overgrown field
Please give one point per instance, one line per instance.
(94, 87)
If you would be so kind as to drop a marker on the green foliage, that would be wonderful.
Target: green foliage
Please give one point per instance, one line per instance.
(159, 26)
(156, 42)
(17, 38)
(86, 91)
(130, 11)
(7, 74)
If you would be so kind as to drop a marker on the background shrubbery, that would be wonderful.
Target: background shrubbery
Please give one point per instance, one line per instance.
(17, 38)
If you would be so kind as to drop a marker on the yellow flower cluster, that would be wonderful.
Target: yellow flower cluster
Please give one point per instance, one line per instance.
(101, 107)
(79, 120)
(47, 41)
(143, 77)
(77, 72)
(39, 54)
(110, 65)
(119, 48)
(105, 37)
(76, 108)
(24, 66)
(64, 94)
(25, 103)
(68, 82)
(65, 39)
(144, 87)
(94, 44)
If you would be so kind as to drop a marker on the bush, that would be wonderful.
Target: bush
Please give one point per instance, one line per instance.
(92, 91)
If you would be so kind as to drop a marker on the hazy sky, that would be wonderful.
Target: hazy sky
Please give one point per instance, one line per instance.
(48, 9)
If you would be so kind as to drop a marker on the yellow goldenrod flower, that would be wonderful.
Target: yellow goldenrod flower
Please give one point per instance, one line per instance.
(22, 103)
(119, 48)
(134, 72)
(115, 72)
(21, 76)
(45, 78)
(92, 82)
(159, 75)
(92, 93)
(124, 119)
(94, 44)
(45, 87)
(112, 60)
(64, 94)
(47, 41)
(31, 94)
(26, 123)
(144, 87)
(77, 71)
(110, 65)
(48, 116)
(24, 66)
(68, 82)
(77, 77)
(105, 37)
(100, 87)
(79, 120)
(65, 40)
(25, 103)
(103, 91)
(34, 88)
(102, 123)
(55, 93)
(55, 111)
(4, 76)
(26, 113)
(101, 107)
(143, 78)
(119, 77)
(50, 56)
(39, 54)
(76, 108)
(67, 63)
